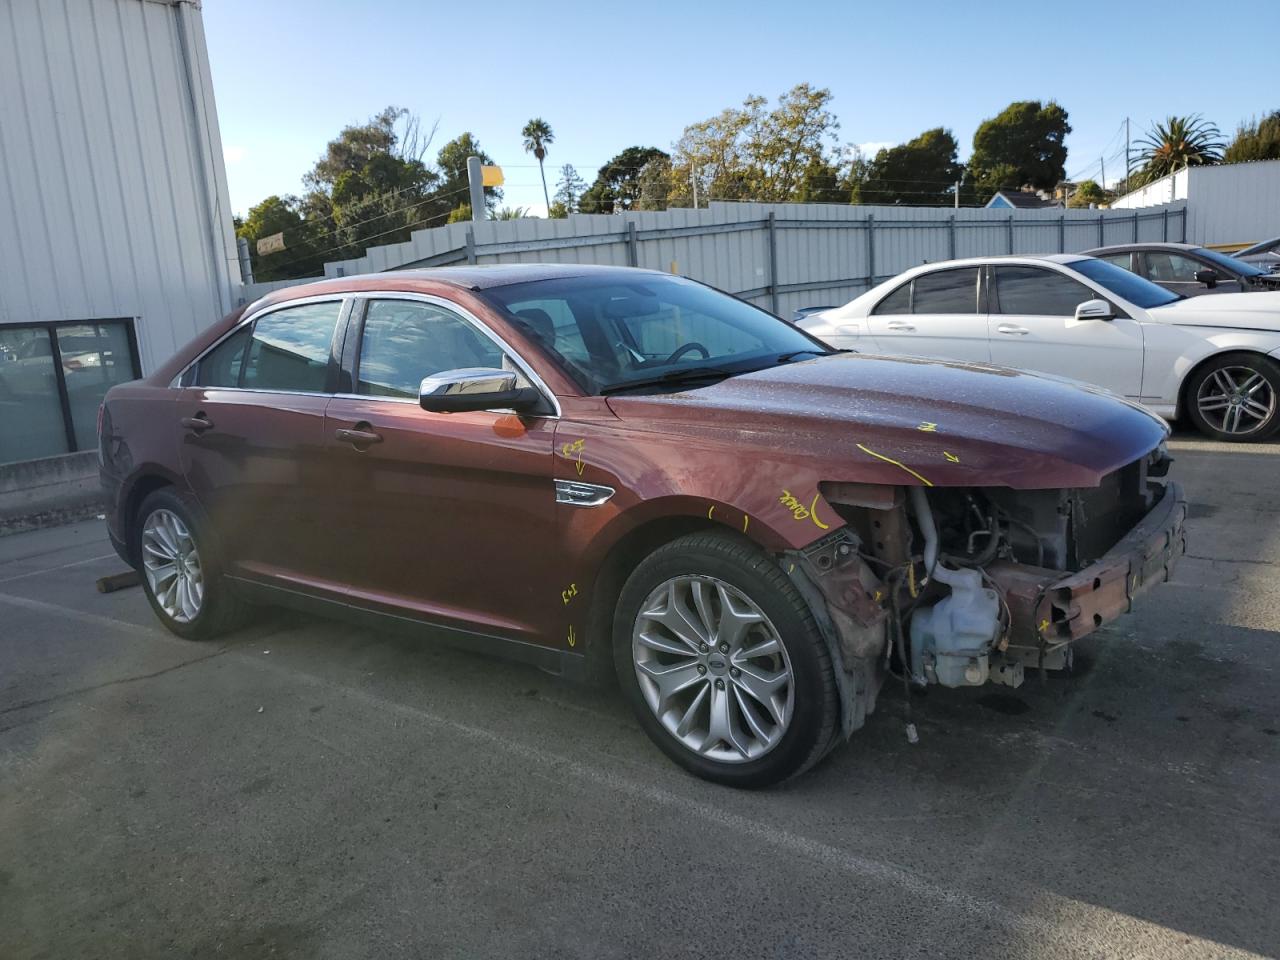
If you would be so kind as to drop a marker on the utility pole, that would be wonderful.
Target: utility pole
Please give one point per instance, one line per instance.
(1103, 164)
(693, 180)
(475, 178)
(1128, 171)
(957, 203)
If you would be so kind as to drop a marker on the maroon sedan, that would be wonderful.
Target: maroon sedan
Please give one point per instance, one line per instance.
(591, 468)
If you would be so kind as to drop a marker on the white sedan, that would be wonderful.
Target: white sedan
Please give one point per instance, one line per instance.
(1213, 359)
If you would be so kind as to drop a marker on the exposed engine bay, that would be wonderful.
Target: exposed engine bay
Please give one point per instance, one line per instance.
(965, 586)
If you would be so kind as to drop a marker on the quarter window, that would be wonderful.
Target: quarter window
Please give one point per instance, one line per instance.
(947, 291)
(897, 302)
(404, 341)
(290, 349)
(1031, 291)
(220, 367)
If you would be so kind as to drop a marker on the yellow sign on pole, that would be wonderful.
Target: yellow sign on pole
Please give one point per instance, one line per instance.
(491, 176)
(271, 244)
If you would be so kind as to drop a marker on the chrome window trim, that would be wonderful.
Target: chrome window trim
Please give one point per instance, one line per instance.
(342, 299)
(461, 311)
(575, 493)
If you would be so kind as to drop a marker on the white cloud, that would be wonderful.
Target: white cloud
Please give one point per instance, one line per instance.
(872, 147)
(233, 154)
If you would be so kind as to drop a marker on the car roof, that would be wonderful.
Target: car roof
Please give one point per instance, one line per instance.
(471, 277)
(1151, 245)
(1063, 258)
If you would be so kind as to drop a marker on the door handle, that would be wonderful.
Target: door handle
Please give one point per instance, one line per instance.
(357, 438)
(199, 423)
(900, 325)
(1013, 329)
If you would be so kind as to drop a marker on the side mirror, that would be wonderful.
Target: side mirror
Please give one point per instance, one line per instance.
(1095, 310)
(475, 388)
(1208, 277)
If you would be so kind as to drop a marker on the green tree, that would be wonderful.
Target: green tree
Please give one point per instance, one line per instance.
(452, 161)
(921, 171)
(756, 153)
(1178, 142)
(1023, 145)
(537, 137)
(1088, 192)
(617, 184)
(655, 184)
(1256, 140)
(301, 256)
(569, 188)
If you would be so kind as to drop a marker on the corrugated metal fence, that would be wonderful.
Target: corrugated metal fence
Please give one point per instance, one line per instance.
(779, 256)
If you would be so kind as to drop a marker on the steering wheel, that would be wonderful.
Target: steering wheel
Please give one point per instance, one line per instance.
(684, 348)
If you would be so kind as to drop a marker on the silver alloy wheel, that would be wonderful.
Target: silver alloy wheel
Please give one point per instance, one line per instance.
(1237, 400)
(713, 669)
(172, 565)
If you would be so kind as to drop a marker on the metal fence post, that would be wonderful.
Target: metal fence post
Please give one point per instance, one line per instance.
(633, 249)
(1166, 223)
(951, 237)
(471, 245)
(1102, 231)
(1135, 226)
(1062, 233)
(1011, 233)
(871, 249)
(1183, 211)
(773, 262)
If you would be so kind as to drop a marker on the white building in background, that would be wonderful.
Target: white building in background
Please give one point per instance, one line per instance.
(1227, 203)
(116, 237)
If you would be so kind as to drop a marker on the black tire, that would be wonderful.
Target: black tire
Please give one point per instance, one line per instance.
(220, 609)
(815, 716)
(1256, 362)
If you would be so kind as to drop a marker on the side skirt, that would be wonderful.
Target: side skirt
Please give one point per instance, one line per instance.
(557, 662)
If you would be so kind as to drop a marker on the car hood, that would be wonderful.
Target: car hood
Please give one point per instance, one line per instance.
(1258, 310)
(901, 420)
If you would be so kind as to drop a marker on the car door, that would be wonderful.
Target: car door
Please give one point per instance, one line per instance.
(1033, 327)
(253, 431)
(447, 518)
(1176, 272)
(934, 314)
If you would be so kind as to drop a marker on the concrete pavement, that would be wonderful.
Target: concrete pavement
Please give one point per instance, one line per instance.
(304, 789)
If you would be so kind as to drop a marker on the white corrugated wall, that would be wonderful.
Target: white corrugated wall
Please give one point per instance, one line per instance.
(113, 195)
(1226, 203)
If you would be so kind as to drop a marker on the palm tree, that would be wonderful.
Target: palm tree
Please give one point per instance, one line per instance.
(537, 137)
(1179, 142)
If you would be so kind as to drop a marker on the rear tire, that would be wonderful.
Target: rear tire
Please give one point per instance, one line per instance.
(181, 572)
(723, 663)
(1235, 398)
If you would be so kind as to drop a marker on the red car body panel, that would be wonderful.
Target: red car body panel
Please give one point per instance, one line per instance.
(452, 519)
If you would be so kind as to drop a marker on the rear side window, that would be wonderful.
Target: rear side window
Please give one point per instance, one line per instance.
(220, 367)
(897, 302)
(405, 341)
(290, 349)
(1122, 260)
(947, 291)
(1031, 291)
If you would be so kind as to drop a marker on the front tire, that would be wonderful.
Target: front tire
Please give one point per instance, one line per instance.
(723, 663)
(180, 571)
(1235, 397)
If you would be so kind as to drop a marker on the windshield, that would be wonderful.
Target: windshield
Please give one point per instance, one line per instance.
(608, 333)
(1230, 263)
(1125, 285)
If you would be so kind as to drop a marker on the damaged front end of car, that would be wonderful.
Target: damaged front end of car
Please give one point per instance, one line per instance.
(964, 586)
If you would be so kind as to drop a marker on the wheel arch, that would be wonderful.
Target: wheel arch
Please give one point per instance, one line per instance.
(1205, 361)
(141, 486)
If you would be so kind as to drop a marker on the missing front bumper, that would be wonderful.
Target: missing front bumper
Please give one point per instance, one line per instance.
(1049, 611)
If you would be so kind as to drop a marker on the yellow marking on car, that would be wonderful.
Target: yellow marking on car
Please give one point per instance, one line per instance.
(928, 427)
(800, 512)
(900, 466)
(710, 510)
(745, 518)
(568, 450)
(572, 639)
(1044, 625)
(569, 594)
(950, 456)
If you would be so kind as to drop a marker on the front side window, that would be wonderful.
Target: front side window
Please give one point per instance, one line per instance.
(405, 341)
(609, 333)
(290, 349)
(1171, 267)
(947, 291)
(1032, 291)
(1137, 290)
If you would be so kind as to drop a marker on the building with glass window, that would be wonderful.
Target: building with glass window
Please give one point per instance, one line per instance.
(116, 236)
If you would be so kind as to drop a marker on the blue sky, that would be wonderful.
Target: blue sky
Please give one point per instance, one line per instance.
(289, 74)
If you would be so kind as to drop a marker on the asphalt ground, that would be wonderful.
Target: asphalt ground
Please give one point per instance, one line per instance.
(304, 789)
